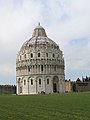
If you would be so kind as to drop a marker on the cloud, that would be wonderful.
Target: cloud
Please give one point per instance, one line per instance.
(7, 69)
(67, 22)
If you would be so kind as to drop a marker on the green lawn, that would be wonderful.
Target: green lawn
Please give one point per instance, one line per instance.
(70, 106)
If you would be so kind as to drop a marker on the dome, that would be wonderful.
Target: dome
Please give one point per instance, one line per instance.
(39, 38)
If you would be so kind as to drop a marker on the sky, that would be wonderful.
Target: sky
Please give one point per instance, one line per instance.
(67, 22)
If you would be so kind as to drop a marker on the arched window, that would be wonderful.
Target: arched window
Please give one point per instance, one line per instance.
(47, 81)
(24, 82)
(38, 54)
(55, 68)
(28, 68)
(31, 81)
(25, 56)
(39, 81)
(19, 80)
(41, 67)
(20, 57)
(31, 55)
(46, 54)
(52, 45)
(53, 55)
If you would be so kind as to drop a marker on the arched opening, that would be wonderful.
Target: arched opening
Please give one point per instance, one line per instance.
(24, 82)
(39, 81)
(31, 55)
(41, 67)
(25, 56)
(38, 54)
(55, 84)
(53, 55)
(48, 81)
(31, 81)
(46, 54)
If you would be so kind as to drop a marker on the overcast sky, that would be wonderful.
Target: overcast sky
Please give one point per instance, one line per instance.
(67, 22)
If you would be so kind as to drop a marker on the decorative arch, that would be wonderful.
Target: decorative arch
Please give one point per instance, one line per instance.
(47, 79)
(39, 77)
(39, 82)
(19, 80)
(24, 80)
(30, 80)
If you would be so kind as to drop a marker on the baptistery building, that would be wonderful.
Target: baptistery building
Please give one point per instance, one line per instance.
(40, 65)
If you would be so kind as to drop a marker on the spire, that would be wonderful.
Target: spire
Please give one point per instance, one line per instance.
(39, 24)
(39, 31)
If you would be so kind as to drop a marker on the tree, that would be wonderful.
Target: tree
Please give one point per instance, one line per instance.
(86, 79)
(78, 80)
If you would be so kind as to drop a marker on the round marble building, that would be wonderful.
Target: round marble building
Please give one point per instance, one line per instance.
(40, 65)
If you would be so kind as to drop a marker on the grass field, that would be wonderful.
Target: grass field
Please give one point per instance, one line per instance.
(70, 106)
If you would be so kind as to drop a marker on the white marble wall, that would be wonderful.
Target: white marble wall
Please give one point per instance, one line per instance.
(36, 88)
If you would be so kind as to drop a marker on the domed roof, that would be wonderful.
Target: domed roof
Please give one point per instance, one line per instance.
(39, 31)
(38, 37)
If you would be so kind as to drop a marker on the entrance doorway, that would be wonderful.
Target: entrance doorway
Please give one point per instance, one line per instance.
(54, 87)
(55, 84)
